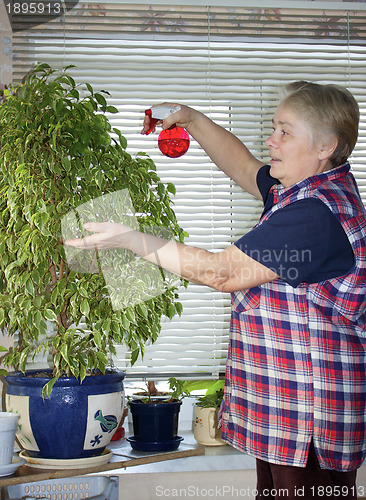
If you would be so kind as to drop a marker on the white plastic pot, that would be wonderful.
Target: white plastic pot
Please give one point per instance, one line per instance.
(8, 425)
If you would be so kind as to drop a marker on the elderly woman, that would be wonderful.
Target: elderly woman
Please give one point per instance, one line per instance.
(295, 378)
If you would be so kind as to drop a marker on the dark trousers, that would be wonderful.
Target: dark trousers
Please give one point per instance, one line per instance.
(282, 482)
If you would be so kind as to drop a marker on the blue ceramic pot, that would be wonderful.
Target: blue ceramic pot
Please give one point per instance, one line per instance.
(77, 421)
(155, 425)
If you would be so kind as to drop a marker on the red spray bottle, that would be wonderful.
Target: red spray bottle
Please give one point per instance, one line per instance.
(173, 142)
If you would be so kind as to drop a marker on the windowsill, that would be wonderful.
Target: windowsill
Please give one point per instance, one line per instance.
(219, 458)
(215, 458)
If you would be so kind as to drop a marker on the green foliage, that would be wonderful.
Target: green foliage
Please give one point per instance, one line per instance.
(2, 371)
(57, 151)
(211, 400)
(179, 389)
(214, 392)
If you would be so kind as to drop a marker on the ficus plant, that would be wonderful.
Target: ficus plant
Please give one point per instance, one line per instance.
(58, 150)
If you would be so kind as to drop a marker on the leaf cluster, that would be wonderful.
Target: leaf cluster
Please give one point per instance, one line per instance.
(214, 392)
(57, 151)
(211, 400)
(179, 389)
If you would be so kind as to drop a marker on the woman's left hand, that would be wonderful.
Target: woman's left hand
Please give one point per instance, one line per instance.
(107, 235)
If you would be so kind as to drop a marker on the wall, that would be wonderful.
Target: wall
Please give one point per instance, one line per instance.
(5, 79)
(209, 484)
(6, 342)
(5, 48)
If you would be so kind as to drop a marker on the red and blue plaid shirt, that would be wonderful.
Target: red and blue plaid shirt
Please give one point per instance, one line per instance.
(297, 356)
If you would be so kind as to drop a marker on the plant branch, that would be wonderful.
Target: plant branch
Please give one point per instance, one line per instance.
(52, 269)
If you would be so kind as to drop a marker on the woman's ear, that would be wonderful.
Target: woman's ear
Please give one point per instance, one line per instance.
(328, 147)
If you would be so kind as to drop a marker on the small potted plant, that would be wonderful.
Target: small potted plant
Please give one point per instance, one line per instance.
(58, 151)
(206, 430)
(155, 417)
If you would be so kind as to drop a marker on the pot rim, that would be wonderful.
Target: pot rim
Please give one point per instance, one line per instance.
(20, 378)
(140, 402)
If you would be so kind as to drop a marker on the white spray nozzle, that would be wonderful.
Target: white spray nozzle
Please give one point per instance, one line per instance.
(162, 112)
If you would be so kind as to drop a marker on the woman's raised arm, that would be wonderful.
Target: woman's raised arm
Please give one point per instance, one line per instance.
(224, 148)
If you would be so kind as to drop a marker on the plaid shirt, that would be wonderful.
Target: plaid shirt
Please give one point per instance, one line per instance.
(297, 356)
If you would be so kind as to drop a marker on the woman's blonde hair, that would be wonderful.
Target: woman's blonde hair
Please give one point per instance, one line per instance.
(330, 110)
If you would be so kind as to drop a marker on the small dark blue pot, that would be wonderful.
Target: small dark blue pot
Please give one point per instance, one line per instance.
(155, 425)
(77, 421)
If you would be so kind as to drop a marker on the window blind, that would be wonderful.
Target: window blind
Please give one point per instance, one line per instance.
(228, 62)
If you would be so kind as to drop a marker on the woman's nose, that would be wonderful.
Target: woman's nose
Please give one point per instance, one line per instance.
(270, 142)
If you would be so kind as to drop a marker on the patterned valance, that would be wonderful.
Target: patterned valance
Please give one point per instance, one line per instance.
(159, 21)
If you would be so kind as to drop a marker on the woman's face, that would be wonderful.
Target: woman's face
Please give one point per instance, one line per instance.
(294, 155)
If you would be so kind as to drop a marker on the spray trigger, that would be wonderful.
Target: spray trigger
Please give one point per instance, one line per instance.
(159, 113)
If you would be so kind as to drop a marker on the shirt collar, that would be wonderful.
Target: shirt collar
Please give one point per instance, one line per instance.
(279, 192)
